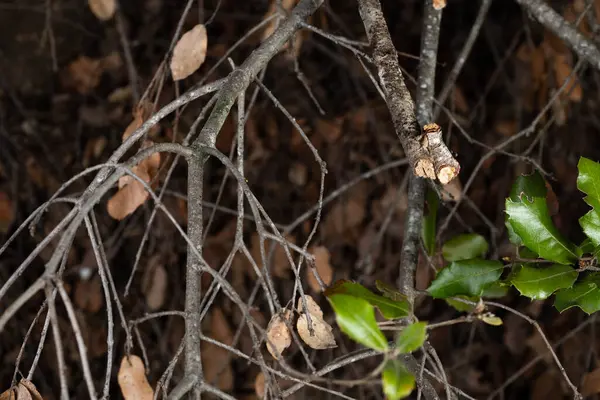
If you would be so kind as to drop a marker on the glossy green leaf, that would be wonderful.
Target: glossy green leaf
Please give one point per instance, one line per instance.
(584, 294)
(496, 290)
(588, 180)
(590, 223)
(538, 282)
(460, 306)
(397, 381)
(466, 277)
(356, 318)
(412, 337)
(530, 220)
(531, 185)
(389, 308)
(512, 235)
(586, 247)
(389, 291)
(464, 247)
(430, 221)
(491, 319)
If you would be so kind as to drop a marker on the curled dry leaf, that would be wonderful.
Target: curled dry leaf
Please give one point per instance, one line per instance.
(322, 337)
(132, 193)
(323, 332)
(323, 268)
(103, 9)
(189, 52)
(311, 305)
(25, 390)
(31, 390)
(132, 379)
(279, 337)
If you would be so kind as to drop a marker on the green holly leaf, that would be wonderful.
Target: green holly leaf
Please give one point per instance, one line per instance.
(586, 247)
(531, 185)
(412, 337)
(531, 221)
(465, 277)
(430, 221)
(588, 180)
(356, 318)
(397, 381)
(590, 223)
(584, 294)
(539, 282)
(389, 308)
(389, 291)
(464, 247)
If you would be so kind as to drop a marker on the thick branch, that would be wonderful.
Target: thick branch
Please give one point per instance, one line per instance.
(555, 23)
(430, 162)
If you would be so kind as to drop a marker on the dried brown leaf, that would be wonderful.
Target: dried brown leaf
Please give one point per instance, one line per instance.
(23, 393)
(132, 379)
(130, 196)
(259, 385)
(323, 268)
(278, 334)
(562, 71)
(154, 283)
(323, 332)
(103, 9)
(591, 383)
(216, 366)
(219, 327)
(83, 74)
(35, 395)
(9, 394)
(311, 305)
(189, 52)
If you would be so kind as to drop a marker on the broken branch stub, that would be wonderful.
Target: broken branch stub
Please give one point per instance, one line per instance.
(430, 157)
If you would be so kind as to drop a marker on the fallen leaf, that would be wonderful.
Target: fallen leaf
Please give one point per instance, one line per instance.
(311, 305)
(154, 283)
(31, 389)
(103, 9)
(219, 327)
(129, 197)
(562, 71)
(278, 334)
(132, 379)
(272, 25)
(279, 265)
(323, 333)
(189, 53)
(6, 213)
(132, 193)
(591, 383)
(216, 365)
(83, 74)
(323, 268)
(298, 174)
(259, 385)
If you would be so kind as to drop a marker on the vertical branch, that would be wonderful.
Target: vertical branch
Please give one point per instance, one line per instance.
(416, 189)
(193, 361)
